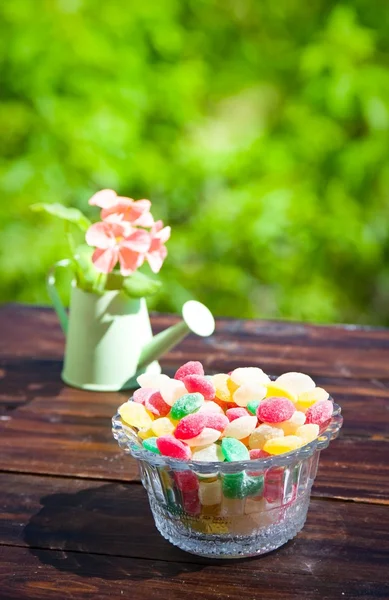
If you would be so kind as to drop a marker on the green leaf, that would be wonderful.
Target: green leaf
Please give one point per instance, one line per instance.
(88, 278)
(138, 285)
(71, 215)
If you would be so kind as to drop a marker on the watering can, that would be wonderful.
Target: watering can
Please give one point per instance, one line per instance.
(109, 341)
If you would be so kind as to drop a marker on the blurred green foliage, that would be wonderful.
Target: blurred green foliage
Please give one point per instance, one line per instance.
(259, 130)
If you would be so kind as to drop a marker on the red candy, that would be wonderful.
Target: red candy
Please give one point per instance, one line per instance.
(275, 410)
(258, 454)
(319, 413)
(191, 426)
(235, 413)
(157, 405)
(191, 502)
(193, 367)
(216, 421)
(198, 383)
(143, 394)
(186, 481)
(168, 445)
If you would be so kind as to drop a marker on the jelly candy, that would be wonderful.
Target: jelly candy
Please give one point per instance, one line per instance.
(245, 393)
(210, 493)
(289, 427)
(186, 480)
(191, 502)
(275, 410)
(252, 406)
(233, 485)
(211, 453)
(296, 383)
(162, 426)
(221, 388)
(308, 432)
(263, 433)
(256, 453)
(306, 399)
(241, 427)
(216, 421)
(144, 434)
(249, 375)
(193, 367)
(157, 405)
(320, 412)
(170, 446)
(206, 437)
(136, 415)
(254, 485)
(274, 389)
(234, 450)
(211, 406)
(172, 390)
(152, 380)
(143, 394)
(198, 383)
(150, 444)
(235, 413)
(187, 404)
(190, 426)
(280, 445)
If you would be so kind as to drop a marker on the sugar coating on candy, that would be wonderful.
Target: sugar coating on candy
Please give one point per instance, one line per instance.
(152, 380)
(320, 412)
(157, 405)
(210, 493)
(262, 434)
(216, 421)
(275, 410)
(252, 406)
(280, 445)
(234, 450)
(186, 480)
(306, 399)
(206, 437)
(187, 404)
(170, 446)
(221, 388)
(198, 383)
(193, 367)
(151, 445)
(241, 427)
(211, 406)
(257, 453)
(308, 432)
(135, 414)
(211, 453)
(233, 485)
(143, 394)
(295, 382)
(162, 426)
(190, 426)
(145, 433)
(248, 392)
(280, 391)
(235, 413)
(289, 427)
(244, 375)
(172, 390)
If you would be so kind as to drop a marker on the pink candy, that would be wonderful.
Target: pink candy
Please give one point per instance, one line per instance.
(193, 367)
(199, 383)
(216, 421)
(275, 410)
(235, 413)
(319, 413)
(170, 446)
(258, 454)
(157, 405)
(191, 426)
(186, 481)
(143, 394)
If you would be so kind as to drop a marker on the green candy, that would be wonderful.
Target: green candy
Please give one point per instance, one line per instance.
(254, 485)
(253, 405)
(186, 405)
(233, 485)
(234, 450)
(151, 445)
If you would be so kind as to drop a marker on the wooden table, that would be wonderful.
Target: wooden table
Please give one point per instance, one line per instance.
(75, 521)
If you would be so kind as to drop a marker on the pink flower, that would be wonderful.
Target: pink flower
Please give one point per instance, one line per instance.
(117, 242)
(116, 209)
(157, 252)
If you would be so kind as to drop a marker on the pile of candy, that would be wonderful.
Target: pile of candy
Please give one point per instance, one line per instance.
(226, 417)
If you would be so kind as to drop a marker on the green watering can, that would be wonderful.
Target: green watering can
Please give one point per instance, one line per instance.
(109, 341)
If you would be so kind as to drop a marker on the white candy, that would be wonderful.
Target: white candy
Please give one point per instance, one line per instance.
(289, 427)
(263, 433)
(210, 406)
(249, 375)
(152, 380)
(308, 432)
(206, 437)
(241, 427)
(210, 493)
(247, 392)
(171, 390)
(211, 453)
(297, 383)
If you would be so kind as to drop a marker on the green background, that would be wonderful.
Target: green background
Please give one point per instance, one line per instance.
(258, 129)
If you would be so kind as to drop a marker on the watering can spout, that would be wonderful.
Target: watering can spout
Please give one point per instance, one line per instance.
(197, 319)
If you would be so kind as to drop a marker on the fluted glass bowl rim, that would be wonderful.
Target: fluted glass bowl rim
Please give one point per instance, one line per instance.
(128, 440)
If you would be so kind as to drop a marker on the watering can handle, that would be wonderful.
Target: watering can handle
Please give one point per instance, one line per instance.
(54, 295)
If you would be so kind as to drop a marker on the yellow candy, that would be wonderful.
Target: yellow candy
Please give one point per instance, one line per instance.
(145, 433)
(222, 391)
(306, 399)
(295, 383)
(232, 386)
(162, 426)
(136, 415)
(308, 432)
(284, 444)
(289, 427)
(262, 434)
(210, 493)
(274, 389)
(247, 392)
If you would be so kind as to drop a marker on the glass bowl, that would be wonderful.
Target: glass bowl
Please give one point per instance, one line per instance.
(229, 509)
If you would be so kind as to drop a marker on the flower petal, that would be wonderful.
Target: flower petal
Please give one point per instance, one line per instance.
(139, 241)
(100, 235)
(164, 234)
(103, 198)
(105, 260)
(156, 258)
(129, 260)
(119, 207)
